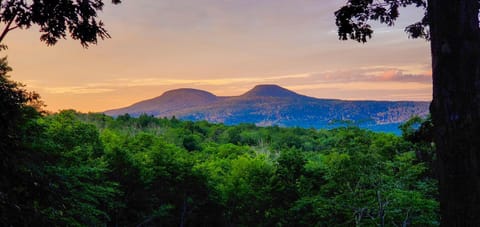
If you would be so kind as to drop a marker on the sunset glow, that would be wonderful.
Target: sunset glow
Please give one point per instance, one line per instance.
(225, 47)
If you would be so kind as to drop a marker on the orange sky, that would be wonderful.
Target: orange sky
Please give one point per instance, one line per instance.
(225, 47)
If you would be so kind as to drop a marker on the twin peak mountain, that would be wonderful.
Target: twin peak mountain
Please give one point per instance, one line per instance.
(266, 105)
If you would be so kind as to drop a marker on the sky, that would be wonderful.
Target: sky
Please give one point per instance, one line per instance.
(225, 47)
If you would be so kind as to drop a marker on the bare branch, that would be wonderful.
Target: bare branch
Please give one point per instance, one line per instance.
(7, 28)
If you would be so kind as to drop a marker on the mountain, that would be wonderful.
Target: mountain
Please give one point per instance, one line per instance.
(273, 105)
(270, 90)
(168, 103)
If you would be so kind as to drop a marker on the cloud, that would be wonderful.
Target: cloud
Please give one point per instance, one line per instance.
(202, 82)
(372, 74)
(400, 76)
(372, 78)
(366, 86)
(123, 83)
(79, 90)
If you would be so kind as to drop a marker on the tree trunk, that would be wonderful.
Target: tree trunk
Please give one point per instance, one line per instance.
(455, 108)
(184, 210)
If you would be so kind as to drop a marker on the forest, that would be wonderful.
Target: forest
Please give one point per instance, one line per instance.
(78, 169)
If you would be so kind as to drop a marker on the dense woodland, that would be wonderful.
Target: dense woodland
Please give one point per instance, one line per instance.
(74, 169)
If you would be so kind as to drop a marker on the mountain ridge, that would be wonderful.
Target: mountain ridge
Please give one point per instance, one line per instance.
(269, 104)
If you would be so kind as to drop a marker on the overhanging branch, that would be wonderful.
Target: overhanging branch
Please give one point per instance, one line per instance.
(8, 28)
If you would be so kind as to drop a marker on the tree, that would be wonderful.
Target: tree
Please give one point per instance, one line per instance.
(25, 183)
(14, 104)
(453, 29)
(19, 167)
(77, 172)
(56, 19)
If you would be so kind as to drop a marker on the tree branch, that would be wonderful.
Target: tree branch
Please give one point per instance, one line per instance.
(14, 27)
(7, 28)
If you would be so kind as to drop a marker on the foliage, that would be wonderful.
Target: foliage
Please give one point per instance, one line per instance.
(21, 170)
(353, 19)
(56, 19)
(171, 172)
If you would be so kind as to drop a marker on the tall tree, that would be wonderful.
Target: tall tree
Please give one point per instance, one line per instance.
(56, 19)
(24, 183)
(15, 178)
(453, 28)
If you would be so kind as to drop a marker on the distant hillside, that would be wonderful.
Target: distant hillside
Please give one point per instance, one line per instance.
(168, 103)
(273, 105)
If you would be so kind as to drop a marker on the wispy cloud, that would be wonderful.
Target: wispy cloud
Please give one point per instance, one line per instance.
(77, 90)
(123, 83)
(363, 86)
(377, 78)
(372, 74)
(400, 76)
